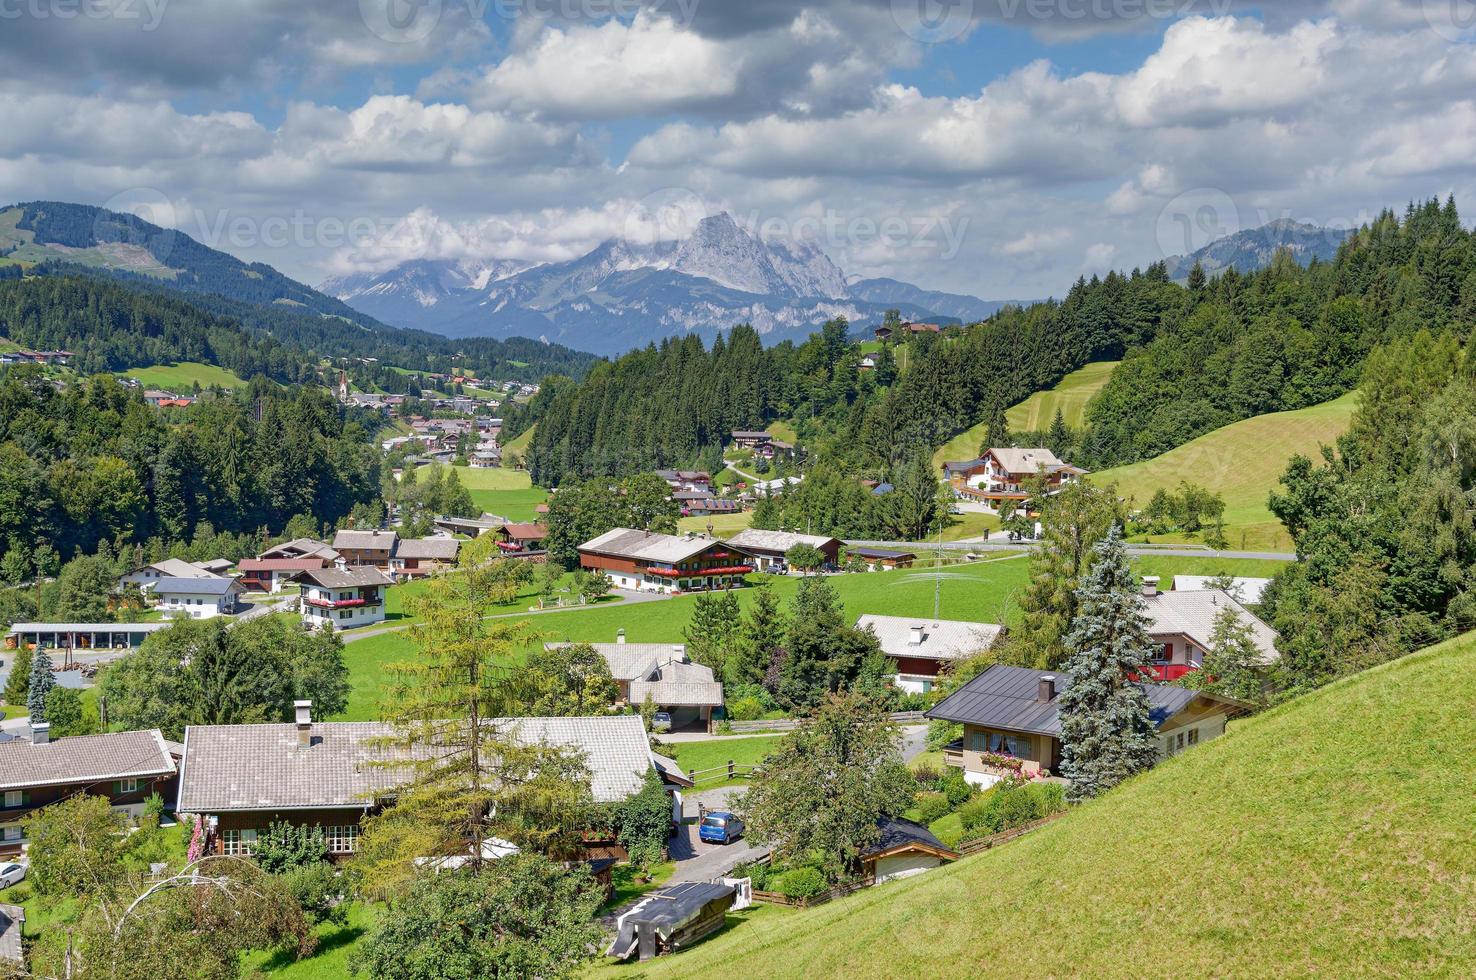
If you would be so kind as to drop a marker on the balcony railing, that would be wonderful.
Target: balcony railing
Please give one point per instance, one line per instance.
(339, 603)
(721, 570)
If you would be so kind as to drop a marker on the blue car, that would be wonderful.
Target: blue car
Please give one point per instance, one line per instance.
(720, 827)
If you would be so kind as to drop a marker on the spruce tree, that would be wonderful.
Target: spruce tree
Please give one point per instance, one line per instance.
(1058, 437)
(42, 681)
(1107, 733)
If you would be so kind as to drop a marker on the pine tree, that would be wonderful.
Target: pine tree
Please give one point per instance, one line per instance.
(996, 428)
(18, 683)
(1107, 733)
(1058, 437)
(42, 681)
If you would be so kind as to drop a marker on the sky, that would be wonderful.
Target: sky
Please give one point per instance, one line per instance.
(1000, 148)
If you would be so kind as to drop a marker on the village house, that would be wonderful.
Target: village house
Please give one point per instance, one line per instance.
(125, 767)
(654, 562)
(520, 539)
(1182, 625)
(146, 576)
(1243, 589)
(750, 439)
(360, 548)
(415, 557)
(81, 636)
(698, 481)
(905, 330)
(1001, 475)
(689, 692)
(197, 598)
(342, 598)
(881, 558)
(303, 548)
(1011, 723)
(924, 649)
(272, 574)
(769, 547)
(708, 506)
(241, 778)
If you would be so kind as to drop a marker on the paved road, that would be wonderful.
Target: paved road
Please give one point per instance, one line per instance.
(1139, 550)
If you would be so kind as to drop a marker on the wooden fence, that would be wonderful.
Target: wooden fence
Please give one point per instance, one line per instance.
(1005, 836)
(839, 891)
(722, 774)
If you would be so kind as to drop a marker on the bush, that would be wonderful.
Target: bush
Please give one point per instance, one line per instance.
(801, 883)
(958, 789)
(759, 693)
(759, 873)
(931, 806)
(914, 701)
(1001, 809)
(927, 777)
(318, 890)
(282, 847)
(745, 709)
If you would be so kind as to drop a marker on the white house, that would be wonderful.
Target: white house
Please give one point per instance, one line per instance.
(146, 576)
(343, 598)
(1182, 625)
(922, 648)
(196, 598)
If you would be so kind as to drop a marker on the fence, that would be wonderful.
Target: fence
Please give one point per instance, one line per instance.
(1005, 836)
(839, 891)
(790, 724)
(721, 774)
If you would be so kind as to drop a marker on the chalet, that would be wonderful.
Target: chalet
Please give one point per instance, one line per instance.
(520, 539)
(653, 562)
(868, 363)
(924, 649)
(905, 330)
(360, 548)
(241, 778)
(472, 527)
(1001, 475)
(774, 448)
(1243, 588)
(125, 767)
(342, 598)
(146, 576)
(197, 598)
(687, 691)
(414, 557)
(1182, 624)
(707, 506)
(1011, 723)
(485, 459)
(878, 558)
(750, 439)
(769, 547)
(215, 566)
(271, 574)
(303, 548)
(903, 850)
(698, 481)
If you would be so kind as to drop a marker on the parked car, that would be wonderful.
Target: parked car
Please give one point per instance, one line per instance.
(12, 874)
(720, 827)
(661, 721)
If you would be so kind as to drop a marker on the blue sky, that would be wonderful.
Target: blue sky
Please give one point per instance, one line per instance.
(995, 147)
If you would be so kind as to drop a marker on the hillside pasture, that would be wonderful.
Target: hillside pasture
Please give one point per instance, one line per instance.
(182, 376)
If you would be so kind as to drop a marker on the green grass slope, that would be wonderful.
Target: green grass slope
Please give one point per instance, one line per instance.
(1330, 837)
(181, 377)
(1242, 463)
(1036, 412)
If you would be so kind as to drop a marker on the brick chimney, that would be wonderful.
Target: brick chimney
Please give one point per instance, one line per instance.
(40, 733)
(304, 713)
(1046, 690)
(1150, 585)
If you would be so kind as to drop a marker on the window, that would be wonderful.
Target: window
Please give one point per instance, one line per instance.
(238, 841)
(344, 614)
(14, 798)
(13, 832)
(1193, 736)
(127, 786)
(1000, 744)
(342, 840)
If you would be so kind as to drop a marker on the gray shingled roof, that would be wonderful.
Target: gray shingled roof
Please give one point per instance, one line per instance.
(196, 586)
(678, 685)
(428, 549)
(631, 660)
(753, 538)
(264, 767)
(348, 578)
(364, 540)
(1007, 698)
(942, 639)
(1192, 614)
(896, 832)
(306, 547)
(623, 542)
(84, 759)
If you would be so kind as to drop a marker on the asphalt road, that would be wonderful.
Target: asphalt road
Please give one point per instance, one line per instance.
(1186, 551)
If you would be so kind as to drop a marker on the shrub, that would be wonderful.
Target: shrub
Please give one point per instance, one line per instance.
(801, 883)
(759, 693)
(282, 847)
(913, 701)
(759, 873)
(745, 709)
(318, 890)
(927, 777)
(1002, 809)
(931, 806)
(956, 788)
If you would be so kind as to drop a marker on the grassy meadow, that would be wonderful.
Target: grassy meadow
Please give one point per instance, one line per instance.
(181, 377)
(1241, 462)
(506, 493)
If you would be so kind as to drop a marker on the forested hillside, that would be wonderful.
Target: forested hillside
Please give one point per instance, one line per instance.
(93, 463)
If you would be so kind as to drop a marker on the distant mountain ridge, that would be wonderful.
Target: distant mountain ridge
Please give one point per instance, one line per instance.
(1254, 248)
(623, 294)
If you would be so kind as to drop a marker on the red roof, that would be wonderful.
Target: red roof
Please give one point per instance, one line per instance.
(526, 532)
(279, 564)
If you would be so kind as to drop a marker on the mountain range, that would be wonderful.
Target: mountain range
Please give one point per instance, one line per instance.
(624, 294)
(1254, 248)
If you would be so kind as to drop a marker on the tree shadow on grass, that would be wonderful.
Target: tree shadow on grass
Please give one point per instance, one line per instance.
(336, 938)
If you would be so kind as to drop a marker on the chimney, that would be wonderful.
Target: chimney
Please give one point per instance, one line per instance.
(679, 652)
(917, 636)
(40, 733)
(1047, 689)
(304, 712)
(1150, 585)
(620, 635)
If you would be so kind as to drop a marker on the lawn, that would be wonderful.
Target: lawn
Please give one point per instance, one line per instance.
(710, 753)
(723, 525)
(971, 524)
(329, 961)
(181, 377)
(1035, 413)
(783, 431)
(518, 445)
(1241, 462)
(1328, 837)
(506, 493)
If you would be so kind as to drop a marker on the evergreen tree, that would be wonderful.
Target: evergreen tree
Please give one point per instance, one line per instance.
(760, 634)
(18, 681)
(713, 634)
(1196, 278)
(42, 681)
(996, 428)
(1107, 733)
(1232, 664)
(1058, 436)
